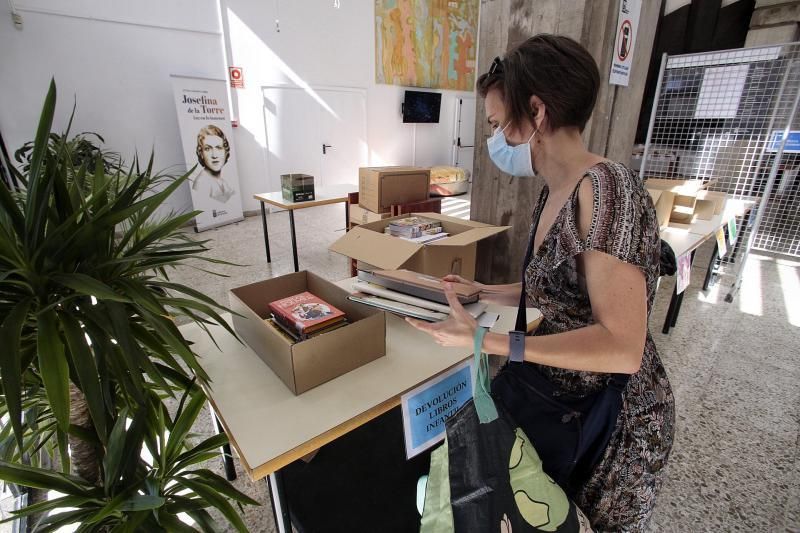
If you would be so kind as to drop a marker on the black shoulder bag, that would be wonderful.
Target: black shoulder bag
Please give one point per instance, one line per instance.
(570, 433)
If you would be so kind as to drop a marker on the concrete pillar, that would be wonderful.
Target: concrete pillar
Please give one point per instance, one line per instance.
(774, 22)
(500, 199)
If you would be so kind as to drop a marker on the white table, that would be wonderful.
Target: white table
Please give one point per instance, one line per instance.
(322, 196)
(685, 239)
(270, 427)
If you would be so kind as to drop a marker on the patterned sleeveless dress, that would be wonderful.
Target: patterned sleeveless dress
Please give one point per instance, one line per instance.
(620, 494)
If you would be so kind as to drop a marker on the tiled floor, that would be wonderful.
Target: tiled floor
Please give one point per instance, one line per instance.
(735, 369)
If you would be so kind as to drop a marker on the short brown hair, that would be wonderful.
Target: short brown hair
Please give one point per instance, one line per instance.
(555, 68)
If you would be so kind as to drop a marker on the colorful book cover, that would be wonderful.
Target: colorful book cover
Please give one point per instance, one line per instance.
(305, 312)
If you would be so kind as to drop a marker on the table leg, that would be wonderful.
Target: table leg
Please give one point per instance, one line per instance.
(266, 235)
(294, 240)
(280, 505)
(227, 455)
(678, 304)
(711, 265)
(346, 217)
(670, 311)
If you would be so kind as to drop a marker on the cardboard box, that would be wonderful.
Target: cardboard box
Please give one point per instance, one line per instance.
(379, 188)
(297, 187)
(704, 209)
(683, 208)
(685, 187)
(678, 202)
(662, 200)
(306, 364)
(717, 198)
(359, 215)
(454, 254)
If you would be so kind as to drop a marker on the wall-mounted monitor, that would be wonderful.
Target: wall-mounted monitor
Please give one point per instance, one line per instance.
(421, 106)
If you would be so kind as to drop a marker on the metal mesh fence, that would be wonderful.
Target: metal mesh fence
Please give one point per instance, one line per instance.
(719, 117)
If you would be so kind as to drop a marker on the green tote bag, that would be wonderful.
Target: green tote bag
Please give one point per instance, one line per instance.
(487, 476)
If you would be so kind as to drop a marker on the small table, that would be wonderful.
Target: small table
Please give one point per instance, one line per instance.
(687, 239)
(322, 196)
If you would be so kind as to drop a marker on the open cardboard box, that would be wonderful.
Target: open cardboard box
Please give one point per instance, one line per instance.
(679, 202)
(452, 255)
(662, 200)
(304, 365)
(715, 198)
(678, 186)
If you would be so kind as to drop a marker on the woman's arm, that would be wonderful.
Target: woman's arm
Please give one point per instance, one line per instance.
(615, 342)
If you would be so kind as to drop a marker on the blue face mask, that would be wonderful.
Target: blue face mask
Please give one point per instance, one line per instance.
(514, 160)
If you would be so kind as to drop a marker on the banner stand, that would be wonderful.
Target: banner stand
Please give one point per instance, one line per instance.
(207, 140)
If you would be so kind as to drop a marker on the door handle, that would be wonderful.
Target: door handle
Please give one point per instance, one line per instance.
(325, 148)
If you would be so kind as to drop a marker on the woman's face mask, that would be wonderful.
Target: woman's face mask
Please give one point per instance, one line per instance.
(514, 160)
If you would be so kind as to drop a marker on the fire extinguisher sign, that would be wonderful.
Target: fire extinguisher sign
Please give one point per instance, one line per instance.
(627, 24)
(237, 77)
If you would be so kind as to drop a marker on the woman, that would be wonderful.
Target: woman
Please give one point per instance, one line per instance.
(592, 273)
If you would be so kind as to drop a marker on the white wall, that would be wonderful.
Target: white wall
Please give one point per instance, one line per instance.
(116, 57)
(319, 45)
(116, 61)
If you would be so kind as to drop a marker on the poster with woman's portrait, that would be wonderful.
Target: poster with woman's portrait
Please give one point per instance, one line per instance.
(207, 140)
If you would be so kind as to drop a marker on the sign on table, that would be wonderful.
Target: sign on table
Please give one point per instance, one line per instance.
(684, 272)
(429, 406)
(732, 231)
(722, 249)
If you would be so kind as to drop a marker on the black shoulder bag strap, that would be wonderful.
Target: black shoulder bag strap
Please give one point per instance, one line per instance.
(517, 336)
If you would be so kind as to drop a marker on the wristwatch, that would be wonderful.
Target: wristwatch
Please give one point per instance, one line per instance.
(516, 346)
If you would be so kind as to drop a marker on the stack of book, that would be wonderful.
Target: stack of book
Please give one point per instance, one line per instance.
(412, 294)
(417, 229)
(304, 315)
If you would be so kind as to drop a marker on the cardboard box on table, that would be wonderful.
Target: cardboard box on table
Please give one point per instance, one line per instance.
(379, 188)
(306, 364)
(662, 200)
(678, 202)
(715, 199)
(359, 215)
(454, 254)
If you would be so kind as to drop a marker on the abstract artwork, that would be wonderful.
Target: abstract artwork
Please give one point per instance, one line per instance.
(426, 43)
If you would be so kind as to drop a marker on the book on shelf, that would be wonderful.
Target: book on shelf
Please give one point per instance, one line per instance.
(419, 285)
(305, 313)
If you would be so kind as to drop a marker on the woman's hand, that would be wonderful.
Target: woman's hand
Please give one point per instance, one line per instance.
(456, 330)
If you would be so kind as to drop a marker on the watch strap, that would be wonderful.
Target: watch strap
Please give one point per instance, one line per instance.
(516, 346)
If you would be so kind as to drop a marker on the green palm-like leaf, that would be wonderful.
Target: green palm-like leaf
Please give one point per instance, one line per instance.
(38, 193)
(53, 367)
(11, 365)
(86, 369)
(39, 478)
(87, 308)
